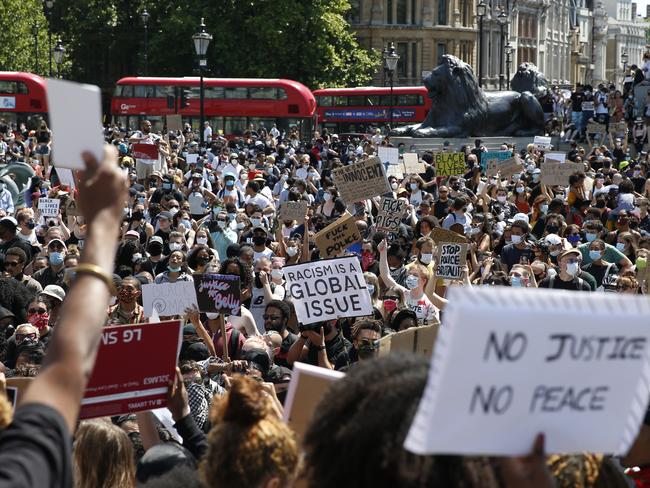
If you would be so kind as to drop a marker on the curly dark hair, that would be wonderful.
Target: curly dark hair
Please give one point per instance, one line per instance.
(14, 296)
(244, 271)
(362, 422)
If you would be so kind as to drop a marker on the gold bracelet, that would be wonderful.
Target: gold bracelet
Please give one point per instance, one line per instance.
(97, 272)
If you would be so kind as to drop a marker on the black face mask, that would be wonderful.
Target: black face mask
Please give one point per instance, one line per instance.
(31, 224)
(155, 249)
(553, 229)
(368, 349)
(137, 215)
(202, 261)
(259, 240)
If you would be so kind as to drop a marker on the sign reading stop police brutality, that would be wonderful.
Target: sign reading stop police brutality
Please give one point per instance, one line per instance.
(328, 289)
(362, 180)
(337, 236)
(451, 260)
(510, 363)
(390, 214)
(133, 367)
(449, 164)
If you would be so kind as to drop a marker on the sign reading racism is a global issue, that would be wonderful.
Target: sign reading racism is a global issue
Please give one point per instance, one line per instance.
(328, 289)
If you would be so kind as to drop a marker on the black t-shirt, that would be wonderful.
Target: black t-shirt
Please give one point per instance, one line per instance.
(639, 183)
(36, 449)
(441, 209)
(281, 357)
(511, 255)
(337, 346)
(576, 102)
(599, 271)
(557, 283)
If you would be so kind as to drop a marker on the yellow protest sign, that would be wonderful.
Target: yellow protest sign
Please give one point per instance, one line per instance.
(449, 164)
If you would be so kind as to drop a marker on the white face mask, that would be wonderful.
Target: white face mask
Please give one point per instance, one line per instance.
(371, 288)
(212, 316)
(277, 273)
(412, 281)
(175, 246)
(241, 225)
(292, 251)
(543, 208)
(426, 257)
(502, 198)
(394, 185)
(572, 269)
(256, 222)
(202, 240)
(516, 239)
(221, 224)
(475, 230)
(327, 197)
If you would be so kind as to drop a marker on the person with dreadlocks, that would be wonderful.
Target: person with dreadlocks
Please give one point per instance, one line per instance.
(585, 471)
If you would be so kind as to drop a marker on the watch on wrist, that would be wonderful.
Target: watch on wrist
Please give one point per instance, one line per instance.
(320, 348)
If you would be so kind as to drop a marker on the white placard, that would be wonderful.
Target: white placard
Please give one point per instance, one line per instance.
(192, 158)
(511, 363)
(49, 207)
(542, 143)
(388, 155)
(75, 113)
(66, 177)
(558, 157)
(328, 289)
(168, 299)
(412, 164)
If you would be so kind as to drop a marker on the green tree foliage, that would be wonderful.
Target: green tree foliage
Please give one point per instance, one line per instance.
(18, 18)
(304, 40)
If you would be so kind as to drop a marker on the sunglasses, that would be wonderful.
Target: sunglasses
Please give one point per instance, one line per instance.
(37, 310)
(20, 337)
(271, 317)
(11, 263)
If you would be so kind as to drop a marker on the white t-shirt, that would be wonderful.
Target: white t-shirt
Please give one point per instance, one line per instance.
(260, 200)
(425, 311)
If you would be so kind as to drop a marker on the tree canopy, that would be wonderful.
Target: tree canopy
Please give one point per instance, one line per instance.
(18, 19)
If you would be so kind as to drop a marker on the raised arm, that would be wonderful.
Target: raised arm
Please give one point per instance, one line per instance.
(72, 351)
(384, 272)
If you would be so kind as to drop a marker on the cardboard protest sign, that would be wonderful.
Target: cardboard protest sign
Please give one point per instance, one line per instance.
(337, 236)
(362, 180)
(554, 157)
(412, 164)
(618, 128)
(442, 235)
(506, 167)
(450, 260)
(218, 293)
(168, 299)
(449, 164)
(493, 157)
(293, 211)
(328, 289)
(596, 128)
(391, 212)
(144, 151)
(388, 155)
(133, 367)
(66, 177)
(510, 363)
(542, 143)
(174, 123)
(396, 171)
(414, 340)
(49, 207)
(307, 386)
(75, 112)
(557, 173)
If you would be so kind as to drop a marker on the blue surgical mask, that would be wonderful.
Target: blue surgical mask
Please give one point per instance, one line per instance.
(594, 255)
(590, 237)
(412, 281)
(371, 288)
(56, 258)
(232, 216)
(516, 282)
(543, 208)
(174, 269)
(620, 246)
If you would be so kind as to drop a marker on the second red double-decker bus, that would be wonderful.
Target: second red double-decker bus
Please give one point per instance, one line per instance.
(231, 105)
(22, 98)
(359, 109)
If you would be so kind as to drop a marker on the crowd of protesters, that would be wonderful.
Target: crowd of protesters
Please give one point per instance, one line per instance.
(213, 208)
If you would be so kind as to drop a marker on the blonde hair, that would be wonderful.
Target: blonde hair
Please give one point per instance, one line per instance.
(103, 456)
(248, 443)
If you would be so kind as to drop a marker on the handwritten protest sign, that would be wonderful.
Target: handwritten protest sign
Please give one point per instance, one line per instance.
(121, 381)
(557, 173)
(174, 123)
(168, 298)
(450, 260)
(337, 236)
(49, 207)
(493, 156)
(510, 363)
(396, 171)
(144, 151)
(218, 293)
(391, 212)
(307, 386)
(618, 128)
(412, 164)
(290, 211)
(555, 157)
(506, 167)
(596, 128)
(328, 289)
(362, 180)
(443, 235)
(388, 155)
(449, 164)
(542, 143)
(414, 340)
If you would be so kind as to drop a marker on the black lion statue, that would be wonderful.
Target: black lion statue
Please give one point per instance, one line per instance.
(460, 108)
(529, 78)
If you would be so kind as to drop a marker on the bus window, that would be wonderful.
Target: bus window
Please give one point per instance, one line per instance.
(8, 87)
(157, 122)
(385, 100)
(357, 101)
(282, 95)
(214, 92)
(411, 99)
(340, 101)
(133, 122)
(324, 101)
(235, 125)
(216, 123)
(263, 93)
(144, 91)
(22, 88)
(236, 92)
(164, 91)
(372, 100)
(127, 91)
(260, 122)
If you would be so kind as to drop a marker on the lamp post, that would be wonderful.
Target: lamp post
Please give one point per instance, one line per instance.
(201, 42)
(35, 33)
(390, 59)
(49, 4)
(145, 20)
(508, 61)
(624, 59)
(502, 19)
(481, 11)
(59, 51)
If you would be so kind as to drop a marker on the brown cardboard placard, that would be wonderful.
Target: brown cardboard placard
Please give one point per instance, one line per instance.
(414, 340)
(174, 123)
(412, 164)
(391, 212)
(293, 211)
(336, 237)
(557, 173)
(451, 258)
(360, 181)
(596, 128)
(16, 386)
(442, 235)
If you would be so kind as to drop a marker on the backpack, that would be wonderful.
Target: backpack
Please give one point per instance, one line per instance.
(551, 284)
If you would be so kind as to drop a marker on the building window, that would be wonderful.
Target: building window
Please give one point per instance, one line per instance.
(402, 64)
(389, 12)
(442, 12)
(354, 14)
(402, 12)
(441, 50)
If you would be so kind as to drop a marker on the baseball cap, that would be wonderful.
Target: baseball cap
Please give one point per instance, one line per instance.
(520, 216)
(165, 215)
(157, 239)
(59, 241)
(132, 233)
(553, 239)
(197, 175)
(566, 252)
(9, 221)
(54, 291)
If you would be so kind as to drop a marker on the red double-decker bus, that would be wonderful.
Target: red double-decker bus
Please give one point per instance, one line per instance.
(22, 98)
(231, 105)
(358, 110)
